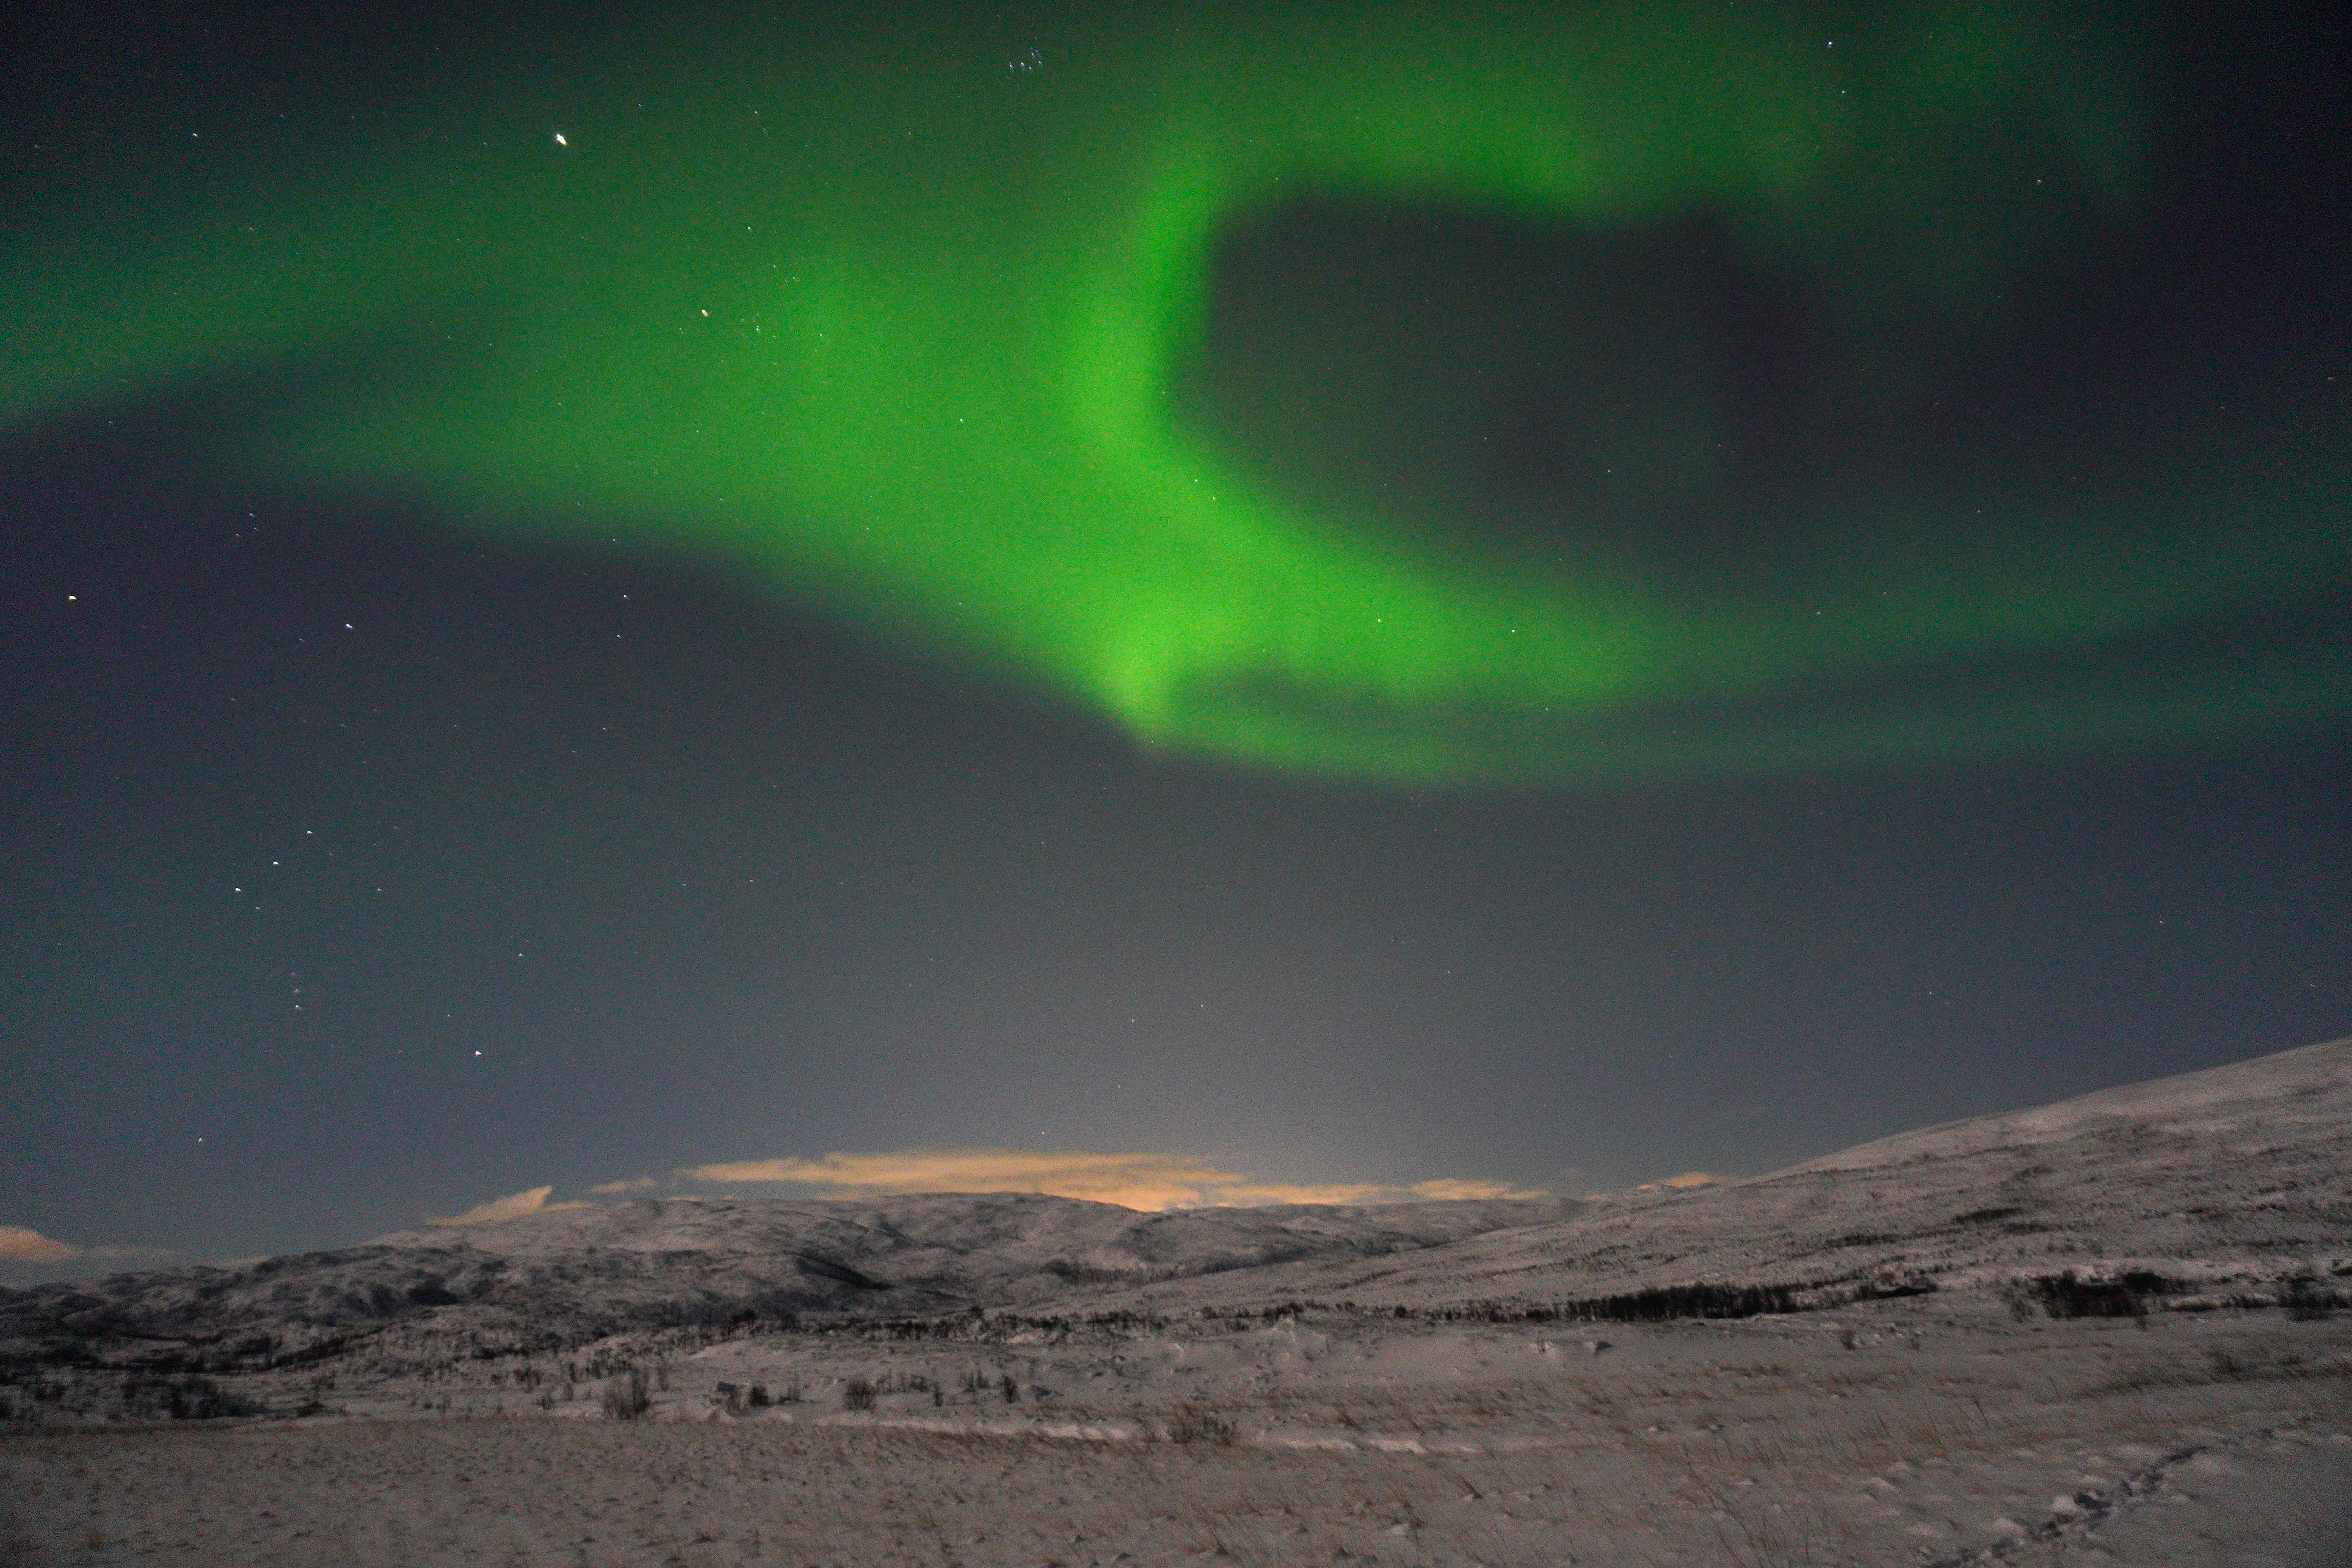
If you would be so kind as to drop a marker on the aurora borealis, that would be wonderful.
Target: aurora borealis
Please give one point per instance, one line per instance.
(936, 349)
(1346, 600)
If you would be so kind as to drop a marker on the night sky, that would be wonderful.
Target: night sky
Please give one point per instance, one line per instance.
(455, 748)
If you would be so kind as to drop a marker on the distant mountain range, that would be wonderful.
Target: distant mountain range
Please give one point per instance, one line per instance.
(2242, 1172)
(566, 1275)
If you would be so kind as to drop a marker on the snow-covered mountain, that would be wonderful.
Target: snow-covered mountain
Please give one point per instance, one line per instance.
(2236, 1174)
(569, 1273)
(2243, 1173)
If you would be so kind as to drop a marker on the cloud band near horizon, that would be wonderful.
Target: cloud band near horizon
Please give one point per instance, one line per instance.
(514, 1205)
(1138, 1181)
(21, 1244)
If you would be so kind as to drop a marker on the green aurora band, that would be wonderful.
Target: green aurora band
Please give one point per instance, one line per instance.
(895, 320)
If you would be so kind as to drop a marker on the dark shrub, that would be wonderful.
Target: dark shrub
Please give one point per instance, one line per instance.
(1664, 1303)
(1190, 1424)
(2069, 1296)
(626, 1397)
(2306, 1303)
(2148, 1282)
(183, 1399)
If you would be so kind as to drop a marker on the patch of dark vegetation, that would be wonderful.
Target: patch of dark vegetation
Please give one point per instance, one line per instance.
(919, 1329)
(28, 1399)
(2072, 1295)
(2129, 1295)
(2068, 1295)
(1078, 1273)
(286, 1311)
(1657, 1304)
(1192, 1423)
(1985, 1217)
(1292, 1309)
(1667, 1302)
(61, 1333)
(181, 1399)
(2307, 1302)
(1149, 1322)
(625, 1396)
(2148, 1282)
(980, 1325)
(98, 1351)
(136, 1398)
(1894, 1289)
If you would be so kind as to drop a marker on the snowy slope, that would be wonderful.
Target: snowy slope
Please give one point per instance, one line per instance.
(2240, 1173)
(994, 1242)
(569, 1272)
(2296, 1098)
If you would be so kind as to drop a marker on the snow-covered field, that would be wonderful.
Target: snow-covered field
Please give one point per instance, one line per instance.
(1418, 1385)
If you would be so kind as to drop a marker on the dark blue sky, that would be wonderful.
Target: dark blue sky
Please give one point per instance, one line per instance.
(359, 871)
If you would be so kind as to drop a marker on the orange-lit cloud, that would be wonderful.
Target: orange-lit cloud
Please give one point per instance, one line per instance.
(22, 1244)
(1456, 1187)
(1149, 1182)
(1687, 1179)
(635, 1185)
(514, 1205)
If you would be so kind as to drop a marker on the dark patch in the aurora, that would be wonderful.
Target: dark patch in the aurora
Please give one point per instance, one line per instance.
(1647, 397)
(1656, 402)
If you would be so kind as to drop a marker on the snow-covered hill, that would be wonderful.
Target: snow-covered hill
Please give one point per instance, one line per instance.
(565, 1274)
(2238, 1174)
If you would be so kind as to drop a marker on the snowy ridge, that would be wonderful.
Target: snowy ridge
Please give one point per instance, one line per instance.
(2289, 1094)
(958, 1241)
(2238, 1173)
(573, 1272)
(2235, 1173)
